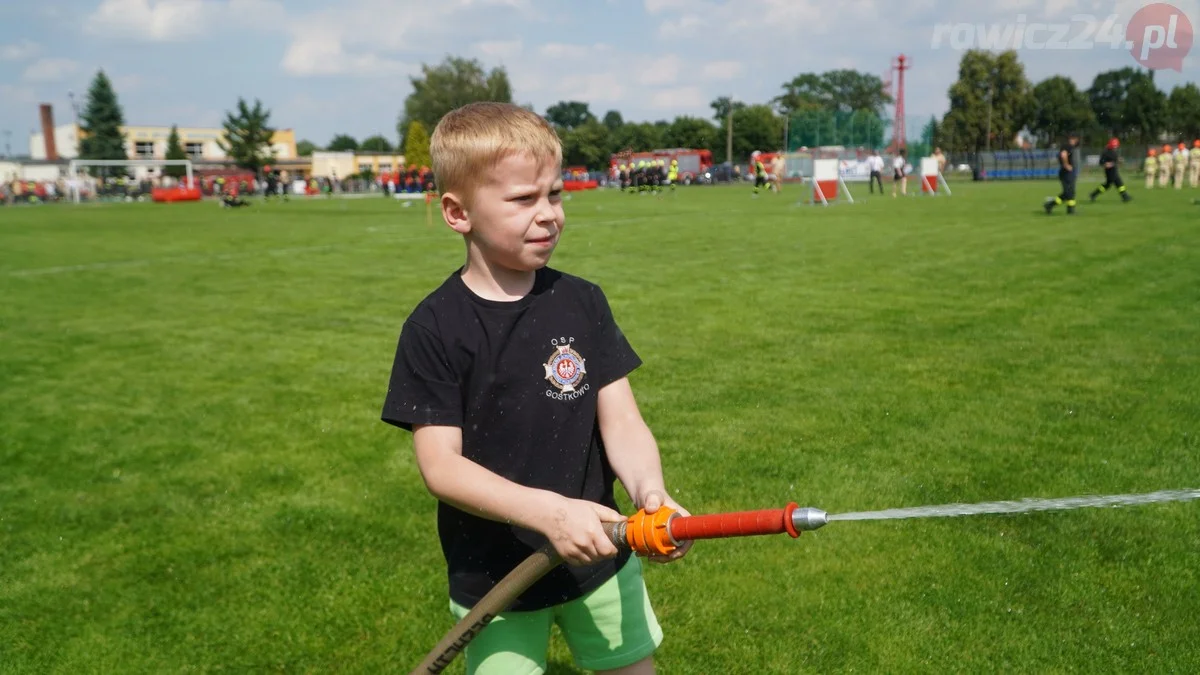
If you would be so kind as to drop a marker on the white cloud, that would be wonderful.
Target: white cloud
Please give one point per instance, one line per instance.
(657, 6)
(49, 70)
(559, 50)
(180, 20)
(679, 98)
(366, 37)
(500, 49)
(661, 71)
(722, 70)
(151, 20)
(687, 25)
(603, 87)
(325, 55)
(18, 51)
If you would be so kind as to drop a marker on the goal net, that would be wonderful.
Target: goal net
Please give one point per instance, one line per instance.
(80, 180)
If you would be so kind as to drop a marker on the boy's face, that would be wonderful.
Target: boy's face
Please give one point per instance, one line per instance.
(515, 216)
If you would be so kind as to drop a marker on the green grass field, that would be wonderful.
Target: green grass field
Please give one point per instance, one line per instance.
(195, 477)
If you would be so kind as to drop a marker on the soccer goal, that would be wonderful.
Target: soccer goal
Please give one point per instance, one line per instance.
(75, 179)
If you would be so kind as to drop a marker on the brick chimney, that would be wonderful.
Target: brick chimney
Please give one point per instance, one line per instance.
(48, 131)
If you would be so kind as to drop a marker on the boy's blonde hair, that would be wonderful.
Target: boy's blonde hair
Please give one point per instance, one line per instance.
(473, 138)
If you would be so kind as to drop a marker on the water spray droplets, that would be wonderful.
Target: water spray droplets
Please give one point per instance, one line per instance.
(1022, 506)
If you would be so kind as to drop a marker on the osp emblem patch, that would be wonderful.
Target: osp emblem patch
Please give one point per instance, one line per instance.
(566, 368)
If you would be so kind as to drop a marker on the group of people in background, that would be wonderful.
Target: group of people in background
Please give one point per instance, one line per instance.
(1173, 165)
(113, 188)
(411, 180)
(647, 175)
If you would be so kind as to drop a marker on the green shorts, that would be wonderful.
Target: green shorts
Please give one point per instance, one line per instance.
(611, 627)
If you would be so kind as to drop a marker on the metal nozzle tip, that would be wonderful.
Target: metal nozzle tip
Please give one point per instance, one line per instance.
(808, 518)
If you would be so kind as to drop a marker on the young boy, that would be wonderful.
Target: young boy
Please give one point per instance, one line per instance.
(512, 378)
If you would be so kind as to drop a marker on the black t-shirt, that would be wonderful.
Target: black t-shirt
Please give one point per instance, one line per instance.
(1062, 164)
(1108, 155)
(521, 380)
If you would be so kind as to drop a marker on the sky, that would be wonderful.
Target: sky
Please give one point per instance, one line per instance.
(328, 67)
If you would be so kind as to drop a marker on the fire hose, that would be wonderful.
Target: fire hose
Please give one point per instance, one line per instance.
(658, 533)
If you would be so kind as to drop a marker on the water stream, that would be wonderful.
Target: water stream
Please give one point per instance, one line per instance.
(1022, 506)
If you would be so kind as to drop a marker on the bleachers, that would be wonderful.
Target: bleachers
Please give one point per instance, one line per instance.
(1018, 165)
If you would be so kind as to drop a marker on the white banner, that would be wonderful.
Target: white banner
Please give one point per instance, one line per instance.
(825, 169)
(853, 170)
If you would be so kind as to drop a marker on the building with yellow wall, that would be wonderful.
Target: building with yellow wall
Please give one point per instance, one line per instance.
(335, 164)
(150, 142)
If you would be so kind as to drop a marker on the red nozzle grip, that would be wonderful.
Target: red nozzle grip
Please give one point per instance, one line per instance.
(738, 524)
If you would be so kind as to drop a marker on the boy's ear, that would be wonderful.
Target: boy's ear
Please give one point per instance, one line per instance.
(454, 212)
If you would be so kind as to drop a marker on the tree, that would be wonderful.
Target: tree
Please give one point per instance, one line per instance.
(343, 143)
(376, 143)
(102, 122)
(1127, 104)
(755, 127)
(569, 114)
(989, 103)
(844, 90)
(175, 151)
(805, 92)
(305, 148)
(692, 132)
(931, 134)
(1057, 109)
(416, 145)
(721, 106)
(451, 84)
(247, 135)
(586, 145)
(637, 137)
(1183, 111)
(613, 120)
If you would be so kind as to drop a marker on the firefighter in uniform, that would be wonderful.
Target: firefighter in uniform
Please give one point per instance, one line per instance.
(673, 172)
(1068, 174)
(1164, 167)
(1112, 176)
(760, 172)
(1181, 162)
(1194, 164)
(1151, 167)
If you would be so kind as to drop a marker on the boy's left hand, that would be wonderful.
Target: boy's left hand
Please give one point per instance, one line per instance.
(651, 502)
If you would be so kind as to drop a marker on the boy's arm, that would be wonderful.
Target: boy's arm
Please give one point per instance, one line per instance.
(633, 453)
(571, 525)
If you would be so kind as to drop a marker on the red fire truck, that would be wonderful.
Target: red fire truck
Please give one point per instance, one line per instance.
(691, 162)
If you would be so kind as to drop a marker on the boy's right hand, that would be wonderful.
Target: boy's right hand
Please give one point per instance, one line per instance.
(573, 527)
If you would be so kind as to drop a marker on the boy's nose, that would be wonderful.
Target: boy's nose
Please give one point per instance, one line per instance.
(546, 212)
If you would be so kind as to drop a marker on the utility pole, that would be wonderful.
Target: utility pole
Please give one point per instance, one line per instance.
(729, 134)
(7, 144)
(988, 138)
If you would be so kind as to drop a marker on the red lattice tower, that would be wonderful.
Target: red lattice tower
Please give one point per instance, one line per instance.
(893, 85)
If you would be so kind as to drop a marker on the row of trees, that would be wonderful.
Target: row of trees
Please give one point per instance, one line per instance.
(589, 139)
(992, 102)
